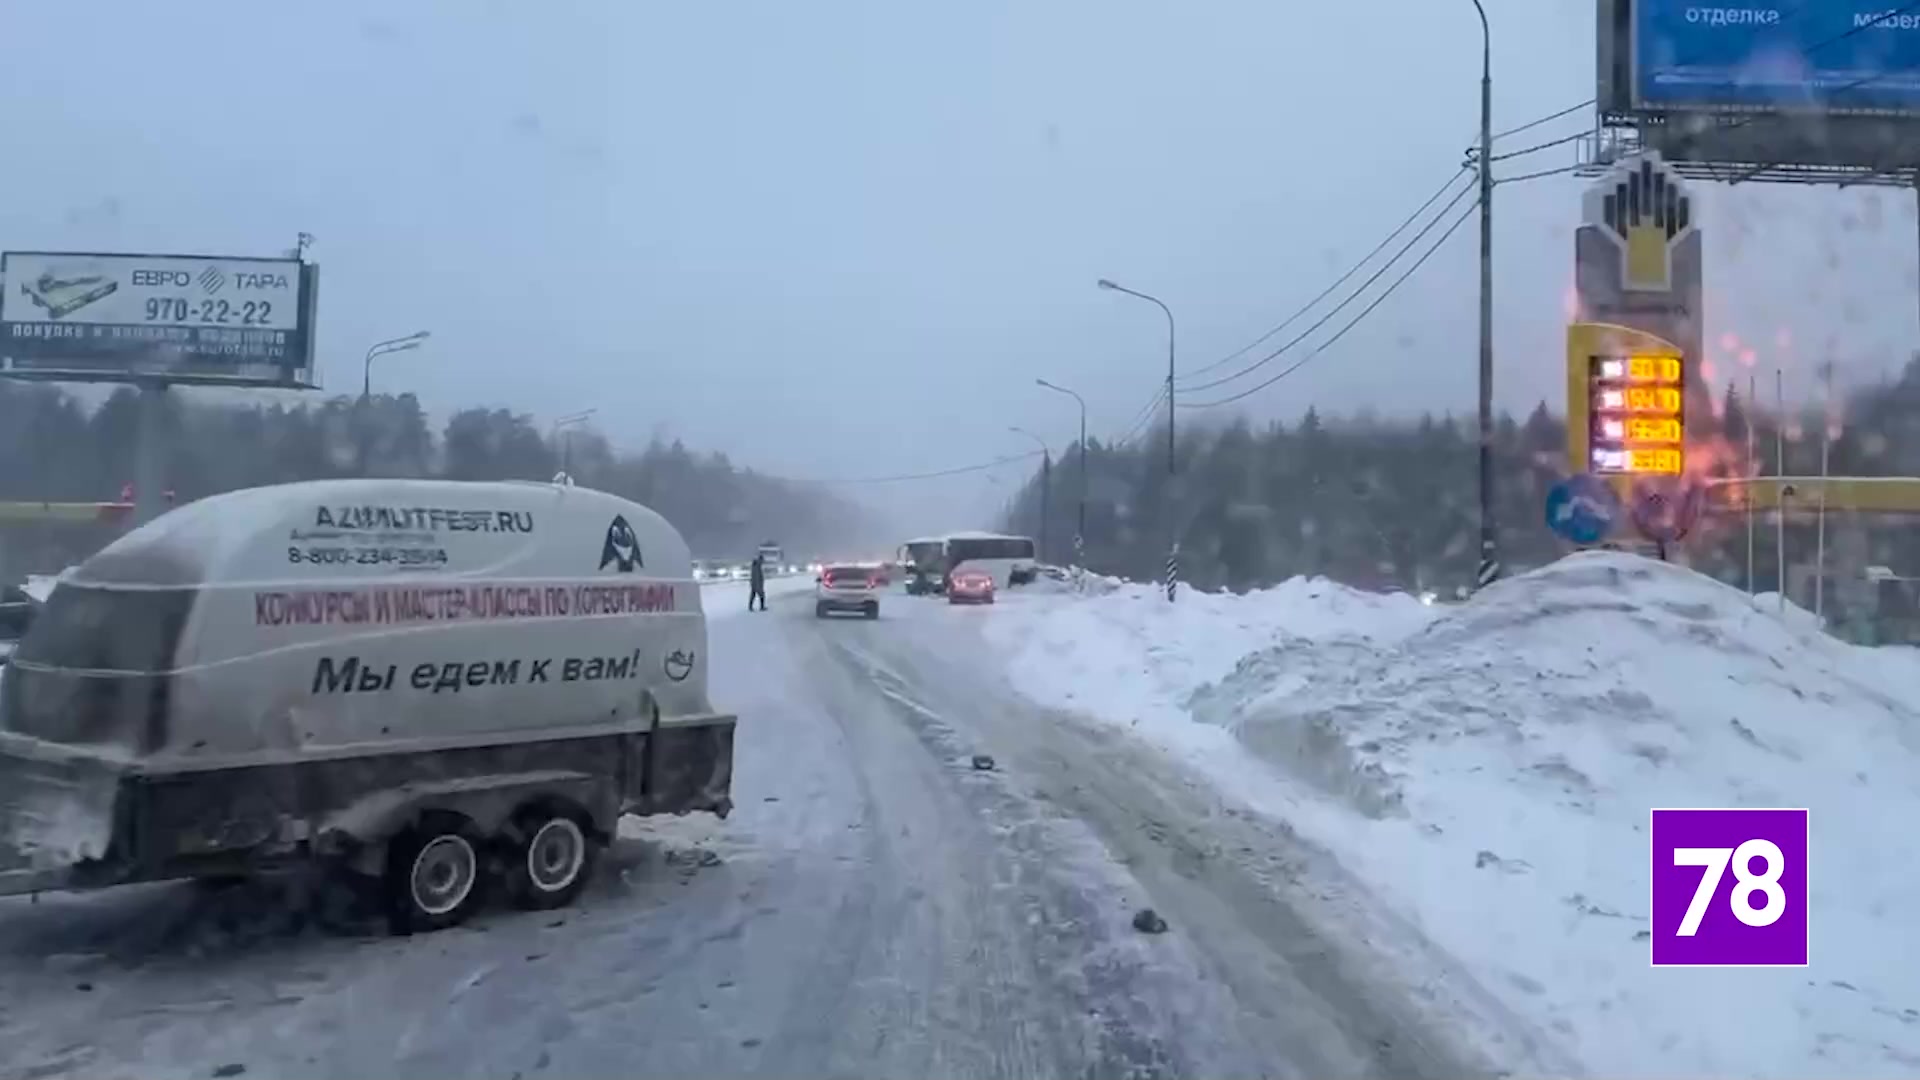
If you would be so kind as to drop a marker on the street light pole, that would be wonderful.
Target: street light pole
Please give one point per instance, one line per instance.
(1046, 483)
(381, 348)
(1173, 522)
(1080, 519)
(1489, 569)
(566, 444)
(392, 345)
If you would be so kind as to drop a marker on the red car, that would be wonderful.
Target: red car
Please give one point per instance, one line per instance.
(970, 587)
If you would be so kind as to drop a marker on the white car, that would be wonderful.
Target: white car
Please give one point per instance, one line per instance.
(847, 588)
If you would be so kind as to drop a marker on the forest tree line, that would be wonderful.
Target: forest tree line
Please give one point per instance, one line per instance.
(1393, 503)
(53, 448)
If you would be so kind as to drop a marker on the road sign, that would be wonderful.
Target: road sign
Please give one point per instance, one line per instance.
(1665, 508)
(1582, 509)
(1729, 887)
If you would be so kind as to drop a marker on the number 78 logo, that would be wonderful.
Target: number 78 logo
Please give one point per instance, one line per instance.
(1729, 887)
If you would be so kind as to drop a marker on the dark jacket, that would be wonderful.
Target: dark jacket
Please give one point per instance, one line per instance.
(756, 573)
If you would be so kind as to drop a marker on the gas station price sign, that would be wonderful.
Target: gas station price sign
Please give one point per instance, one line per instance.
(1636, 420)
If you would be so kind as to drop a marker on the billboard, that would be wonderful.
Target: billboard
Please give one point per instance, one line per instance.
(184, 318)
(1814, 56)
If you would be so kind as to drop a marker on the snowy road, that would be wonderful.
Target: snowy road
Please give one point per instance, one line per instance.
(875, 906)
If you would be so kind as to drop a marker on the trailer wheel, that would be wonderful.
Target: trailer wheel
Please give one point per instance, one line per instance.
(433, 874)
(550, 858)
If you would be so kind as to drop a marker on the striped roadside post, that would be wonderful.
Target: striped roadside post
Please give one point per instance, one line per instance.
(1173, 571)
(1488, 571)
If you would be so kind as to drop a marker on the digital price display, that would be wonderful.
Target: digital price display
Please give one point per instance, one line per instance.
(1636, 411)
(1638, 462)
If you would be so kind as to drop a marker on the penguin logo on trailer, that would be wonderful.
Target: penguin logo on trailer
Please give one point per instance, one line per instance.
(621, 549)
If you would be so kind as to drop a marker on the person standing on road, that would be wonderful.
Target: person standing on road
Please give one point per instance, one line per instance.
(757, 582)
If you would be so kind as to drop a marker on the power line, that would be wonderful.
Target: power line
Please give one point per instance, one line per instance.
(1143, 419)
(1537, 147)
(1324, 293)
(1351, 297)
(1389, 238)
(1523, 177)
(1531, 124)
(1342, 332)
(979, 467)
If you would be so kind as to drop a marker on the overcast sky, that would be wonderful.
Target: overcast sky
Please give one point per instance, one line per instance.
(841, 239)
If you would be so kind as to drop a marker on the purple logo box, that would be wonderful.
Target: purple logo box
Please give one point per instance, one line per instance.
(1729, 888)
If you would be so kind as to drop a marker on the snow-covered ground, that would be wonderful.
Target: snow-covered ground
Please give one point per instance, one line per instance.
(1488, 767)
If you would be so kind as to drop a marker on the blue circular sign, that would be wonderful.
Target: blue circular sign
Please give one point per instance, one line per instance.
(1582, 509)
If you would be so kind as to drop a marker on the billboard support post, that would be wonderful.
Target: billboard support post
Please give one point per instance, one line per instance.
(157, 321)
(150, 465)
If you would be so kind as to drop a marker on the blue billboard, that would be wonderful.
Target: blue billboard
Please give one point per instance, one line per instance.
(1821, 56)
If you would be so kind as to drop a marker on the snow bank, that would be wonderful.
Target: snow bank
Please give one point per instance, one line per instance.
(1488, 768)
(1126, 655)
(1054, 580)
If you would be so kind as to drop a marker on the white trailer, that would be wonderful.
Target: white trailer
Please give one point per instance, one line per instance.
(419, 682)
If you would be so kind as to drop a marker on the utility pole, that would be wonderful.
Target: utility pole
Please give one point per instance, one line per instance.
(1046, 485)
(1489, 569)
(1173, 501)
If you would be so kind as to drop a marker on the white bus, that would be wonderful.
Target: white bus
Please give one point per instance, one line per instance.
(923, 563)
(1011, 560)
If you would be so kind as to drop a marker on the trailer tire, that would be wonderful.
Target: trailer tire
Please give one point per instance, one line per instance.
(550, 857)
(434, 874)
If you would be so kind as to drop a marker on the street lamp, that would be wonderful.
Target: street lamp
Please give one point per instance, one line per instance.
(1173, 526)
(1489, 569)
(364, 419)
(394, 345)
(569, 421)
(1080, 521)
(1046, 483)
